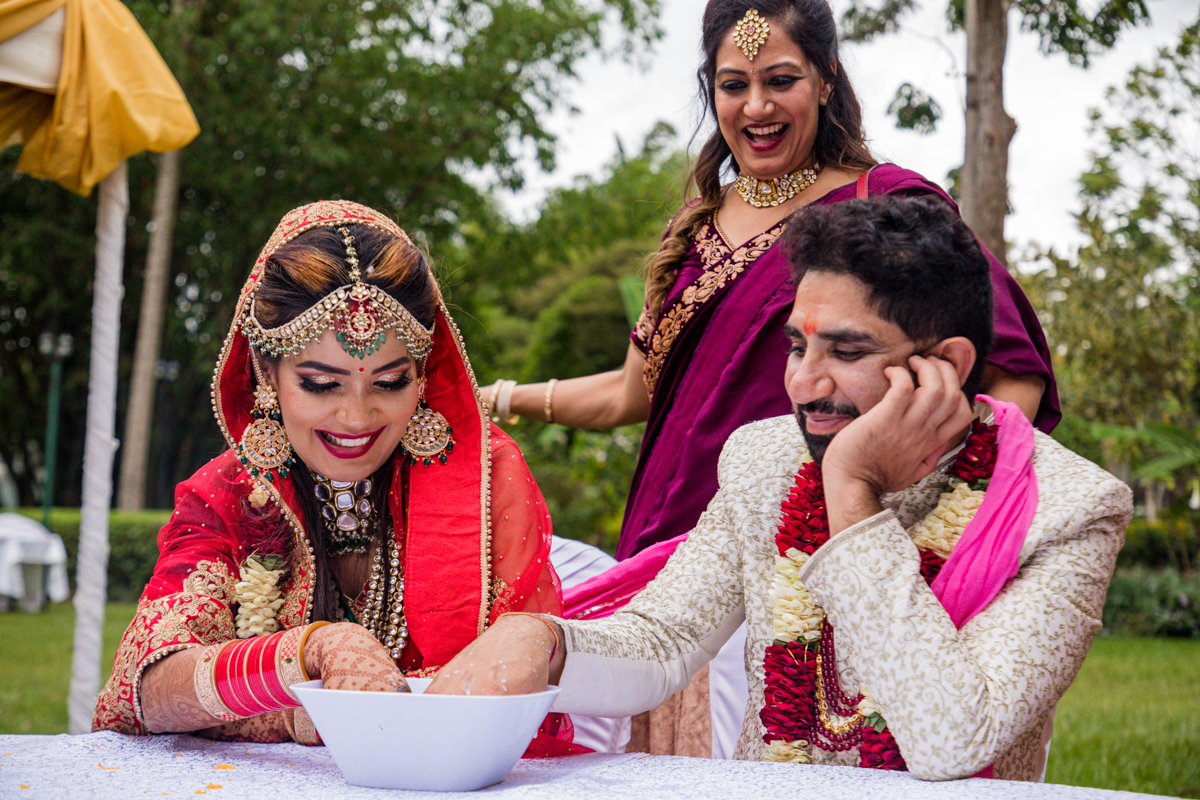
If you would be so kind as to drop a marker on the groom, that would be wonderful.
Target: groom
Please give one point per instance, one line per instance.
(921, 576)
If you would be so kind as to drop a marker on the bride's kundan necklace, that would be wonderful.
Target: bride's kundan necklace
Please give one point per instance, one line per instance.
(346, 511)
(773, 191)
(802, 692)
(348, 515)
(383, 612)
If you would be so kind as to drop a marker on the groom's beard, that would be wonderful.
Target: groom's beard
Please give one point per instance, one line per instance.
(817, 445)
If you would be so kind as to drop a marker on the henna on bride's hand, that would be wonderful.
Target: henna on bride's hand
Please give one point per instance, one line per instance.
(346, 656)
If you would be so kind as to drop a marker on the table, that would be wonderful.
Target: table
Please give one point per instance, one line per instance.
(27, 553)
(110, 765)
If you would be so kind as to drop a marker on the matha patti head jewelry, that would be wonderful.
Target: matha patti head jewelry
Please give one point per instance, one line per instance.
(359, 312)
(429, 436)
(751, 33)
(264, 447)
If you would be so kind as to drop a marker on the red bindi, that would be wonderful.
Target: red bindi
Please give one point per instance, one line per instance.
(360, 369)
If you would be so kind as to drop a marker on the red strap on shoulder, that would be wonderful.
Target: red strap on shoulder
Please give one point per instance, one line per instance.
(863, 186)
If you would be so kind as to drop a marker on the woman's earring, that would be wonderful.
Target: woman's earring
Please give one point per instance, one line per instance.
(264, 446)
(428, 435)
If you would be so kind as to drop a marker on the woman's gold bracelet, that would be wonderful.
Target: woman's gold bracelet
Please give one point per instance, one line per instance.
(548, 400)
(504, 403)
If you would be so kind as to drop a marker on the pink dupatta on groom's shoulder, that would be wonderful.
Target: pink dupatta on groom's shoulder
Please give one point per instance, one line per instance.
(987, 554)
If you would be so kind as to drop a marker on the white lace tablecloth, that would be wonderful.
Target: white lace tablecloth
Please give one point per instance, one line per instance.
(109, 765)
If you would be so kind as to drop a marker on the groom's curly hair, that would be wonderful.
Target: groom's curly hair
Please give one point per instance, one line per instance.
(923, 268)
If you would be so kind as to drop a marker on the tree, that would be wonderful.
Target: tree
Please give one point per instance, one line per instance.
(603, 225)
(409, 106)
(1123, 313)
(1064, 26)
(547, 299)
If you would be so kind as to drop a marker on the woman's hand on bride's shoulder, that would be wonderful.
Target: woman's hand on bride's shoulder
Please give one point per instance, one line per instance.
(345, 655)
(511, 657)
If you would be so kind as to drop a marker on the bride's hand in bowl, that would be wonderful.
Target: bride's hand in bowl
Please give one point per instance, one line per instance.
(512, 657)
(345, 655)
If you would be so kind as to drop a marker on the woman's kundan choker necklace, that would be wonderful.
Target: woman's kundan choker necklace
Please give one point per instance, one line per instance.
(773, 191)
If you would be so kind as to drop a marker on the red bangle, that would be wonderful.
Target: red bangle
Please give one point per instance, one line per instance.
(230, 682)
(261, 677)
(248, 678)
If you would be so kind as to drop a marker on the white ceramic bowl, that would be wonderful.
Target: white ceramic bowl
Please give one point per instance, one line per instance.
(438, 743)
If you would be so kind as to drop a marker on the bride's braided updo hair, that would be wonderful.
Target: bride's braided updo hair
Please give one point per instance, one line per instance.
(839, 143)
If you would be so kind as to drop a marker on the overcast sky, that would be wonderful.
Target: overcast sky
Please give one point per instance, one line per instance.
(1047, 97)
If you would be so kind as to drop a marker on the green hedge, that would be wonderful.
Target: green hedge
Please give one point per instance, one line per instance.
(1145, 602)
(1171, 543)
(1153, 593)
(132, 542)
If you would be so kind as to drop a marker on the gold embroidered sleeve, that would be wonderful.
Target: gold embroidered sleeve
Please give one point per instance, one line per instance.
(199, 615)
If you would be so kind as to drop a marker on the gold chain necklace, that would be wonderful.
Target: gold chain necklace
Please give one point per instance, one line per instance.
(773, 191)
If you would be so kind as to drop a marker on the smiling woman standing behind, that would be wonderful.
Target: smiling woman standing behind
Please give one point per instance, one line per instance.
(363, 486)
(707, 354)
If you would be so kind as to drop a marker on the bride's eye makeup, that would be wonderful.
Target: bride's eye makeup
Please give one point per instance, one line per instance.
(389, 383)
(396, 384)
(317, 386)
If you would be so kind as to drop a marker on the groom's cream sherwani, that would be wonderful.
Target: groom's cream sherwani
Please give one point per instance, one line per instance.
(956, 700)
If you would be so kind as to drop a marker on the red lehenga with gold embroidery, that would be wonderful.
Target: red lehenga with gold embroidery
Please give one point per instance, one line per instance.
(474, 533)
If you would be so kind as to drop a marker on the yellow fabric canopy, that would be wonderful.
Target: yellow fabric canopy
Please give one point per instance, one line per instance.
(115, 96)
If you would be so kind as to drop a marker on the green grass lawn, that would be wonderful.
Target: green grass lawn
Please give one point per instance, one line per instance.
(35, 664)
(1131, 721)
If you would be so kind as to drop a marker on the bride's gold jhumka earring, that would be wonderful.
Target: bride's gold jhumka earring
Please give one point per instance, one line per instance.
(429, 435)
(264, 447)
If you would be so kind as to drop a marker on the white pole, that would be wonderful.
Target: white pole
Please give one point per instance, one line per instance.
(98, 450)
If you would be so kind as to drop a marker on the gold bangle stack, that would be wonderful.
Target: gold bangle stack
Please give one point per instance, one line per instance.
(548, 400)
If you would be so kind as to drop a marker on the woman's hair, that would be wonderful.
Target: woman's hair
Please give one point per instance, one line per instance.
(840, 141)
(297, 276)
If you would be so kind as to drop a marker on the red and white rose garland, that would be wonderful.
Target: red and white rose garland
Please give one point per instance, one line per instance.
(802, 693)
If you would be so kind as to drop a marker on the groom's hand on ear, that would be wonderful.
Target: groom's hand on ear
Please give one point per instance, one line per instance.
(897, 442)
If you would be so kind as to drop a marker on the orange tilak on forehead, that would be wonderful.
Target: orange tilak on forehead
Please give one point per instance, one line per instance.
(810, 322)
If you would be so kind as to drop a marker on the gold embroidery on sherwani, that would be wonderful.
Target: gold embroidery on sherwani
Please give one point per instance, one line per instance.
(722, 265)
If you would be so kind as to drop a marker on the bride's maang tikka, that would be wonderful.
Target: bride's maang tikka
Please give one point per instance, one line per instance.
(359, 312)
